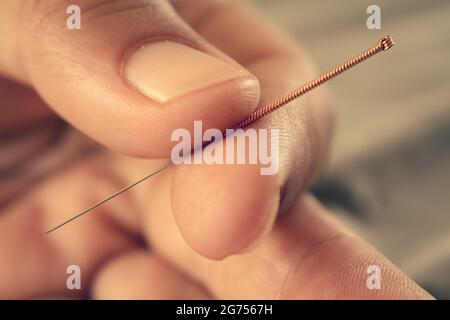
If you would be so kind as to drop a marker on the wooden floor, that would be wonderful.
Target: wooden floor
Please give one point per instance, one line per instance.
(389, 173)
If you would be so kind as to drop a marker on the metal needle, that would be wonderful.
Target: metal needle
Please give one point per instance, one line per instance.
(384, 44)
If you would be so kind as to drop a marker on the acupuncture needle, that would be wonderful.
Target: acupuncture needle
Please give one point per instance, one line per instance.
(383, 44)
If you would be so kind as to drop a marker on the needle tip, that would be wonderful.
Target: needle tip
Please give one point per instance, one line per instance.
(387, 42)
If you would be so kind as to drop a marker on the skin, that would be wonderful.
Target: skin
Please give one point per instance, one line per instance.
(189, 230)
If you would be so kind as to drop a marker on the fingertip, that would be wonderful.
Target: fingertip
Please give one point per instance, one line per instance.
(223, 210)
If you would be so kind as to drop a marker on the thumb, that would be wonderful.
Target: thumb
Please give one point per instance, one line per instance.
(133, 73)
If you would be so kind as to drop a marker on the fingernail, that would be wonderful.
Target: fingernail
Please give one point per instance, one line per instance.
(165, 70)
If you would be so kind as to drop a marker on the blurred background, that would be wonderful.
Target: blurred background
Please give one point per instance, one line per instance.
(389, 173)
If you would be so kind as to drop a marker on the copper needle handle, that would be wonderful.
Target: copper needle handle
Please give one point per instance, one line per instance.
(384, 44)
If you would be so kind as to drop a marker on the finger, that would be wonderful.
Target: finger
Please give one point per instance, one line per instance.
(115, 82)
(35, 264)
(139, 274)
(307, 255)
(233, 206)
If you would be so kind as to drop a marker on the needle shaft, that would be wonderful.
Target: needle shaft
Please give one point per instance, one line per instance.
(95, 205)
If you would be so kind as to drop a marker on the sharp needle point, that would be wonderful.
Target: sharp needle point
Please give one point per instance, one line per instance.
(108, 198)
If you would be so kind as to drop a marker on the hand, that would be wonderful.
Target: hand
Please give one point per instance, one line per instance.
(157, 240)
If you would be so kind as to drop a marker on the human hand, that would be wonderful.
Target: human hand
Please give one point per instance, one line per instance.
(187, 212)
